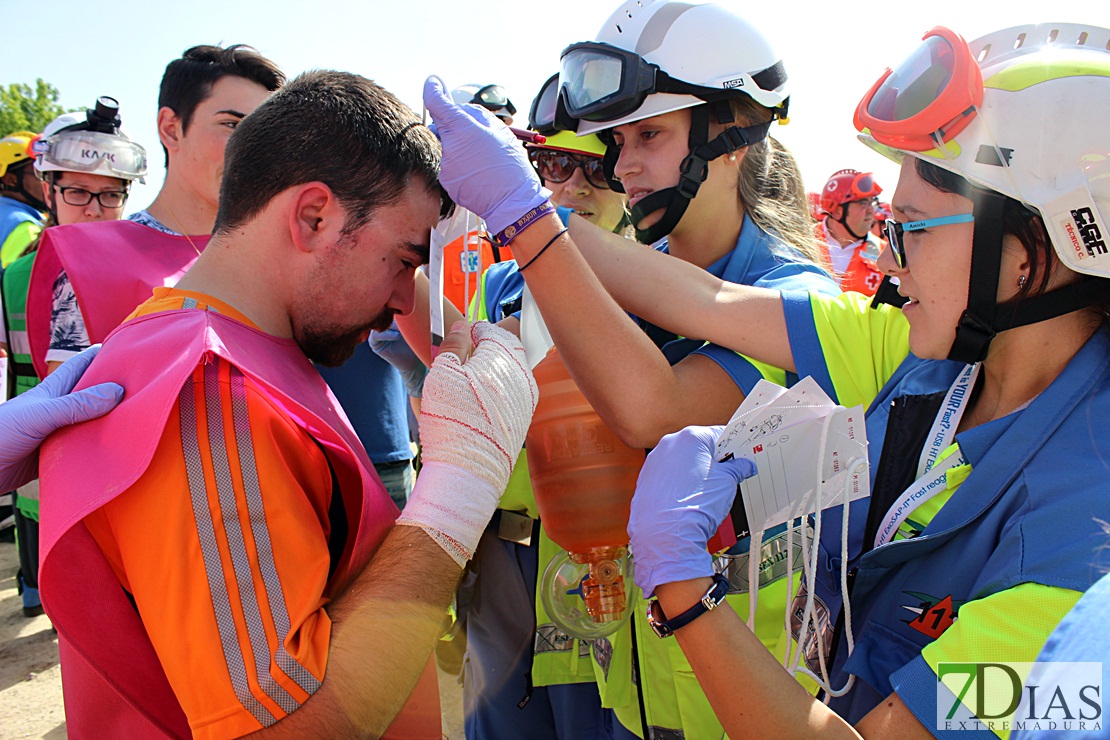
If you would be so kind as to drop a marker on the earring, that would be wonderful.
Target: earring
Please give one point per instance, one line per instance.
(1021, 282)
(732, 158)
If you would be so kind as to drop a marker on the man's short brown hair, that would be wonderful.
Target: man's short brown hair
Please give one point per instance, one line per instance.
(332, 127)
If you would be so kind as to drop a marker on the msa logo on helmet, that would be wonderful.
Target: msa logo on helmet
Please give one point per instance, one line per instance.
(1088, 231)
(732, 84)
(98, 155)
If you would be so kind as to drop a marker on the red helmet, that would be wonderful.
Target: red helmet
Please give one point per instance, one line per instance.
(846, 186)
(814, 201)
(883, 211)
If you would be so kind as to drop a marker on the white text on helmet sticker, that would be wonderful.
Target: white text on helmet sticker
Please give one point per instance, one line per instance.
(732, 84)
(1093, 240)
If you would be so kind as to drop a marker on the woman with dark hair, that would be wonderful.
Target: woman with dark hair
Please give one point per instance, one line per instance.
(988, 467)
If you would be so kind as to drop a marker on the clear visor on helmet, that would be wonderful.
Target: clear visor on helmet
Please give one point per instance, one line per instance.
(90, 151)
(916, 84)
(541, 117)
(928, 99)
(600, 82)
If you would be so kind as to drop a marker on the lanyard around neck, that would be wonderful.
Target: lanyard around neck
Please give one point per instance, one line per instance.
(932, 476)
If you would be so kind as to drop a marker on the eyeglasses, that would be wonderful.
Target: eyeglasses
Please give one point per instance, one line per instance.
(82, 197)
(555, 166)
(895, 229)
(866, 202)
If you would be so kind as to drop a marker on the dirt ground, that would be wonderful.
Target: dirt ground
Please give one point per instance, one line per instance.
(31, 681)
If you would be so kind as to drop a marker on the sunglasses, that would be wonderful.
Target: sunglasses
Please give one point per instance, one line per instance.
(554, 166)
(895, 230)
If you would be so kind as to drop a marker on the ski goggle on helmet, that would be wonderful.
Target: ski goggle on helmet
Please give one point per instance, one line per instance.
(92, 152)
(546, 116)
(1021, 111)
(92, 143)
(655, 57)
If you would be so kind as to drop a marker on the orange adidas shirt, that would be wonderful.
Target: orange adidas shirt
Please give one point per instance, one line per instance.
(223, 545)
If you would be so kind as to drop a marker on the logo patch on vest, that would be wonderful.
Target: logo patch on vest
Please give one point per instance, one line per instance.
(550, 639)
(933, 615)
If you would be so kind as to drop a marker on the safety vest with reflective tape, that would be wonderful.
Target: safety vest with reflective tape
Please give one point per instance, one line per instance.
(113, 681)
(17, 277)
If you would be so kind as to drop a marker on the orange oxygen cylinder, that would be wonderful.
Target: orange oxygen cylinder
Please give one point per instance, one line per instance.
(583, 477)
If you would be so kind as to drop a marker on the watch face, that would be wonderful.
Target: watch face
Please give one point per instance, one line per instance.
(656, 619)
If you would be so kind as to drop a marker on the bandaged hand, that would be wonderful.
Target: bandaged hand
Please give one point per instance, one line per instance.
(484, 168)
(474, 416)
(682, 496)
(28, 419)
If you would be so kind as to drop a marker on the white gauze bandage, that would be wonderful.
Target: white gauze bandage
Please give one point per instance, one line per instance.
(473, 419)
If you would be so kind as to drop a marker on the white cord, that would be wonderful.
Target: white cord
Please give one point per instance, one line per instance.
(809, 563)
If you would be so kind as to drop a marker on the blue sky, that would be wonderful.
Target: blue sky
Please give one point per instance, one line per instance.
(833, 52)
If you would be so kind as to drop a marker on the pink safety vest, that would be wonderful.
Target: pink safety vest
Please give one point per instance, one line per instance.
(112, 265)
(113, 683)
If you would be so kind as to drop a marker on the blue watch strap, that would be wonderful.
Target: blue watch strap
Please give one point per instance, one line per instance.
(713, 597)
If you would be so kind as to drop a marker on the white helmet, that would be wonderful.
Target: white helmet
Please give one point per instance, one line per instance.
(657, 56)
(92, 143)
(686, 53)
(1024, 112)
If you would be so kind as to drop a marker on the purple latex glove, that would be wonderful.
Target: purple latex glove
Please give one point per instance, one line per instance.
(682, 496)
(28, 419)
(484, 169)
(392, 347)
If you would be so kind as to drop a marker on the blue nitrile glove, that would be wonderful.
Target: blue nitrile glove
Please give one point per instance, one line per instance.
(682, 496)
(484, 169)
(28, 419)
(392, 347)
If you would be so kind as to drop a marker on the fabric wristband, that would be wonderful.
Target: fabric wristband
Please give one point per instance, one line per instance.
(512, 230)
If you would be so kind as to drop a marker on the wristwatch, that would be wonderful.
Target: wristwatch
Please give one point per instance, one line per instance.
(713, 597)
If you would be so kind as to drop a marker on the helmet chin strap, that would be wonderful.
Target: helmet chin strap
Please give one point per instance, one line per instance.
(692, 172)
(984, 316)
(843, 221)
(32, 200)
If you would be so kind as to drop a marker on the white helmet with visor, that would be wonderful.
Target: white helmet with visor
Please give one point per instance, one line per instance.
(92, 143)
(1023, 113)
(657, 56)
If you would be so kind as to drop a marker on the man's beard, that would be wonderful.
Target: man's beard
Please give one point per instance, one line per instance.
(332, 346)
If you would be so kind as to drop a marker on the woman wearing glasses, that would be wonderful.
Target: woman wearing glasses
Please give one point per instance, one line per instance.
(77, 188)
(707, 184)
(87, 165)
(988, 456)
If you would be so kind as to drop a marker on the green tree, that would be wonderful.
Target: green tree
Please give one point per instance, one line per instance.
(24, 109)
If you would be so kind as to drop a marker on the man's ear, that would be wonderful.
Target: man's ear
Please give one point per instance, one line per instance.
(315, 217)
(170, 128)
